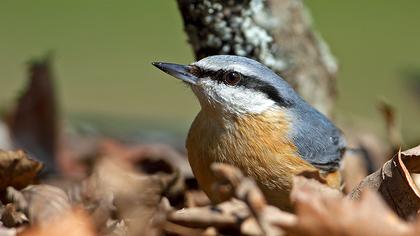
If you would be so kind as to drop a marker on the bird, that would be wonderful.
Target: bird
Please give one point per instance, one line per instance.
(253, 119)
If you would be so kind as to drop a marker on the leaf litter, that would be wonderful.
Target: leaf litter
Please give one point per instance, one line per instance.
(148, 189)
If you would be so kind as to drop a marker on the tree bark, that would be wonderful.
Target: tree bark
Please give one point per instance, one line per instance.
(277, 33)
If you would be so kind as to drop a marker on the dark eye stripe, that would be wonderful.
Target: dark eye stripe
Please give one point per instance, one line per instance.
(266, 88)
(251, 83)
(212, 74)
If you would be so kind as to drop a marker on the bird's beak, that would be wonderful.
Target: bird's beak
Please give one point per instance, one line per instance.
(181, 72)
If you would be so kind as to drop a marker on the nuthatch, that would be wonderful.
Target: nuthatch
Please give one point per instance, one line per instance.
(252, 119)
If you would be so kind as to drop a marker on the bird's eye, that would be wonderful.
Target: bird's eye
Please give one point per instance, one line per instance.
(232, 78)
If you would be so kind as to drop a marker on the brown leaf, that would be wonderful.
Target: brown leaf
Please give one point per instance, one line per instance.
(135, 196)
(154, 159)
(33, 123)
(232, 216)
(323, 212)
(195, 198)
(227, 216)
(245, 189)
(43, 203)
(393, 181)
(17, 169)
(175, 229)
(203, 217)
(10, 217)
(149, 158)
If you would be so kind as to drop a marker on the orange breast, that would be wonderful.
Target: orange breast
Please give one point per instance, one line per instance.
(257, 144)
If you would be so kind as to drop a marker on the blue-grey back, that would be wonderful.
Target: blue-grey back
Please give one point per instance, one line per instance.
(318, 140)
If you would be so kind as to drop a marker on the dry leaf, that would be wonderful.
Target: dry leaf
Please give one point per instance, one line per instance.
(194, 198)
(174, 229)
(149, 158)
(227, 216)
(10, 217)
(17, 169)
(247, 213)
(154, 159)
(33, 123)
(393, 181)
(320, 211)
(136, 197)
(245, 189)
(46, 203)
(203, 217)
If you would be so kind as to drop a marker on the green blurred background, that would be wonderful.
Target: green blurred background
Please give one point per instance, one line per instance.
(103, 49)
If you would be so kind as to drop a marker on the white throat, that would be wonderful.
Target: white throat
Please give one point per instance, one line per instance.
(231, 100)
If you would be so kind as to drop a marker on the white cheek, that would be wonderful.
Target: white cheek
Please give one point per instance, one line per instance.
(232, 99)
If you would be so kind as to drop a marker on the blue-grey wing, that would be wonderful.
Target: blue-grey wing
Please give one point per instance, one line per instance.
(319, 141)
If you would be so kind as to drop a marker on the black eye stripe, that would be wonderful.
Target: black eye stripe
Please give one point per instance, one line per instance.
(214, 75)
(211, 73)
(252, 83)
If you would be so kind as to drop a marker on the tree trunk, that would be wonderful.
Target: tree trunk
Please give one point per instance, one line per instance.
(277, 33)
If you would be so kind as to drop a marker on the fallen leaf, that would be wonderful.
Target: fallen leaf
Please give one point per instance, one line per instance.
(17, 169)
(10, 217)
(227, 216)
(33, 122)
(395, 184)
(135, 196)
(45, 203)
(175, 229)
(323, 212)
(246, 190)
(149, 158)
(203, 217)
(194, 198)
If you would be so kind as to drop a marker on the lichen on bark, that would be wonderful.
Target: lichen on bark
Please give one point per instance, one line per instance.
(227, 27)
(277, 33)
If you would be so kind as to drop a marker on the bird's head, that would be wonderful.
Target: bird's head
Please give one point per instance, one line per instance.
(233, 84)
